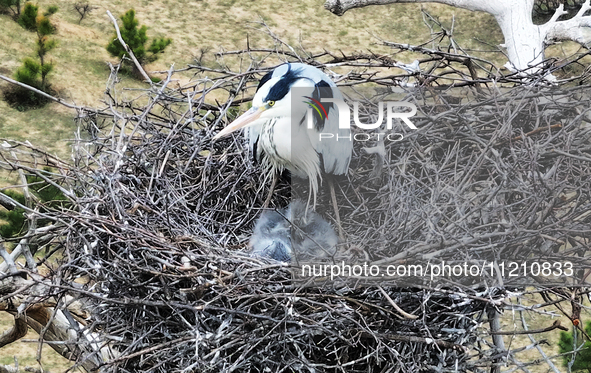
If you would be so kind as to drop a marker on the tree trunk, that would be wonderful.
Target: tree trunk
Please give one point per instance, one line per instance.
(50, 323)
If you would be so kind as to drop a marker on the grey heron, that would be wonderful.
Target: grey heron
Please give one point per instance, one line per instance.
(293, 233)
(278, 132)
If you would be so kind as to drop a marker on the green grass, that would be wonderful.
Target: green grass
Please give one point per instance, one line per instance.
(50, 127)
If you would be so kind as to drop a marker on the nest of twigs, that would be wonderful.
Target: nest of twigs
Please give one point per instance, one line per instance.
(167, 214)
(161, 215)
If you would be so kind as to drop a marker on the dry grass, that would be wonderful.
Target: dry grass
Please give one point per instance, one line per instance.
(81, 70)
(512, 321)
(195, 26)
(26, 352)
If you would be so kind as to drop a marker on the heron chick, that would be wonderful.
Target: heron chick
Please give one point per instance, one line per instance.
(293, 233)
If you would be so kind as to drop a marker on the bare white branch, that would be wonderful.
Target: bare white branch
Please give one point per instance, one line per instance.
(39, 92)
(127, 49)
(525, 41)
(339, 7)
(576, 28)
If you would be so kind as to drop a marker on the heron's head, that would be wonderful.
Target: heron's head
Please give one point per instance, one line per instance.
(273, 97)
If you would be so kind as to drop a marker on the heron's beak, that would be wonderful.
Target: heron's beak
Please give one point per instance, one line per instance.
(242, 121)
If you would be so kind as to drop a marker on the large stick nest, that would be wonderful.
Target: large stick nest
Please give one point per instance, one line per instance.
(161, 216)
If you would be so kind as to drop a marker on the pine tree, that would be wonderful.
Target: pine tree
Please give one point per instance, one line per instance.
(582, 361)
(11, 6)
(34, 72)
(44, 45)
(28, 17)
(14, 219)
(135, 37)
(47, 194)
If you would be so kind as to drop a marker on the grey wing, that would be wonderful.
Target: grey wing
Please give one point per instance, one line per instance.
(335, 154)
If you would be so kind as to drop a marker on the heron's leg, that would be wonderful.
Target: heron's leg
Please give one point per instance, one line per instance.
(271, 190)
(333, 196)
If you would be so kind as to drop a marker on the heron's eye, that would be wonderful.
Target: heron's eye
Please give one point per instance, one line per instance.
(271, 103)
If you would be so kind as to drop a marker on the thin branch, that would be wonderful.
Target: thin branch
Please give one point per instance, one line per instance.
(128, 50)
(39, 92)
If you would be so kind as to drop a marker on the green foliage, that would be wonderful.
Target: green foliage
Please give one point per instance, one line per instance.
(11, 6)
(28, 18)
(47, 193)
(15, 220)
(44, 44)
(51, 10)
(31, 20)
(582, 361)
(44, 26)
(135, 37)
(233, 112)
(34, 73)
(7, 3)
(29, 73)
(158, 45)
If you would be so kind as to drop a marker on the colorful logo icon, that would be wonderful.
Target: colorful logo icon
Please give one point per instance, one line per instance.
(316, 105)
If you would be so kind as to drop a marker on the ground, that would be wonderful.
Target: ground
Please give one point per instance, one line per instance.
(26, 351)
